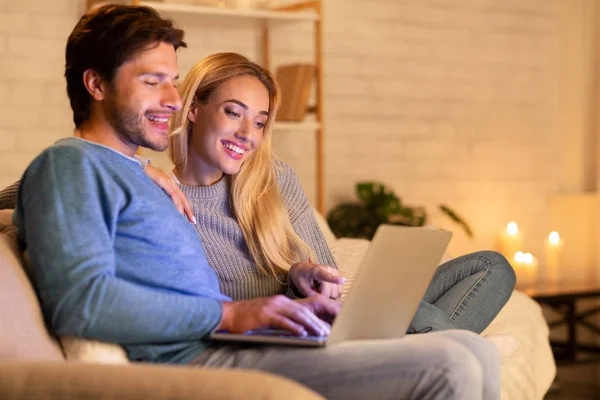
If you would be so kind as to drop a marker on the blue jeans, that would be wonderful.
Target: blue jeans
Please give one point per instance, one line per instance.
(465, 293)
(448, 365)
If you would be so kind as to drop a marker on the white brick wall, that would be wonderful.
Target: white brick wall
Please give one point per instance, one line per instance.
(445, 101)
(34, 108)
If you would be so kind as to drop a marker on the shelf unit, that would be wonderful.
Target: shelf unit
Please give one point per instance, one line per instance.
(301, 11)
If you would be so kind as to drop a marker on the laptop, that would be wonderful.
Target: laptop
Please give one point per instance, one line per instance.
(389, 285)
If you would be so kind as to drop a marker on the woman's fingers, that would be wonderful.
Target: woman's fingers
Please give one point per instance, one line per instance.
(336, 291)
(326, 289)
(324, 273)
(311, 279)
(305, 287)
(187, 208)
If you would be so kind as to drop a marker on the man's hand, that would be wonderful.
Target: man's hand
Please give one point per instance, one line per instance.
(165, 182)
(299, 317)
(323, 307)
(311, 279)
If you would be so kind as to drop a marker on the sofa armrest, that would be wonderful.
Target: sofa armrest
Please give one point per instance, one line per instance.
(51, 380)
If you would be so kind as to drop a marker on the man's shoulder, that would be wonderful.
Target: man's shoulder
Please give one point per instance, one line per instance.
(73, 161)
(73, 152)
(68, 150)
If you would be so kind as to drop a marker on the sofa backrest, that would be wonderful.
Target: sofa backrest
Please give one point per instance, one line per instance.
(23, 334)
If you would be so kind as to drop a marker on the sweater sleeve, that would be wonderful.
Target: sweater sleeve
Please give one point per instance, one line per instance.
(8, 196)
(301, 214)
(67, 216)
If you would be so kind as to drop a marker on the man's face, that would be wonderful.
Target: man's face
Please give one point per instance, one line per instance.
(142, 97)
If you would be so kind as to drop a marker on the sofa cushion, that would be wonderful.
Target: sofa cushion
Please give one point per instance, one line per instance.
(23, 334)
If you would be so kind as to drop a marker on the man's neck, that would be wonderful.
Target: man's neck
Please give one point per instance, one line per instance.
(101, 132)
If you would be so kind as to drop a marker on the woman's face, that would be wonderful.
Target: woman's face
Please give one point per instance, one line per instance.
(228, 128)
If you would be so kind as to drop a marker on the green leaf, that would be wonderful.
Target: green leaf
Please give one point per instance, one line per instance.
(457, 219)
(378, 205)
(365, 191)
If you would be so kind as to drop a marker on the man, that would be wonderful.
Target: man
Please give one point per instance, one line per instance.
(113, 259)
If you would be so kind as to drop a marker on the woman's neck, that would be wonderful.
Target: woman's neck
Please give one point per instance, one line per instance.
(197, 173)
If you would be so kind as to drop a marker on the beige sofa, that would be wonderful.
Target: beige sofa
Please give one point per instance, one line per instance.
(32, 363)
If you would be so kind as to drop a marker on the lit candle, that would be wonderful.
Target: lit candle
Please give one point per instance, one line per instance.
(510, 241)
(526, 269)
(552, 249)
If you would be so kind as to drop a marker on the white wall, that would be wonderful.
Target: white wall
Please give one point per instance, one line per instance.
(445, 101)
(34, 110)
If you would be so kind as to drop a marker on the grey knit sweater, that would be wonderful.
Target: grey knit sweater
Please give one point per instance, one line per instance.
(224, 244)
(8, 196)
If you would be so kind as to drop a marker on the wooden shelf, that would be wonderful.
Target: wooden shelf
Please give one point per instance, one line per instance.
(296, 126)
(263, 15)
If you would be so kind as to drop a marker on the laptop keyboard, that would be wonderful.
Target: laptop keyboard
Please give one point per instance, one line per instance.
(281, 333)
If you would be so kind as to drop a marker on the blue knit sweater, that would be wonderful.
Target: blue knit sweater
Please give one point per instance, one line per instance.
(111, 257)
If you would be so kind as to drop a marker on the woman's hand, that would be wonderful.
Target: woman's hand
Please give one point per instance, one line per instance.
(311, 279)
(167, 184)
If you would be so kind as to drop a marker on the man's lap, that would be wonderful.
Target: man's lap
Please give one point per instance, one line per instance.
(354, 369)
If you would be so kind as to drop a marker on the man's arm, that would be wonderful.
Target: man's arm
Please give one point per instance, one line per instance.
(67, 221)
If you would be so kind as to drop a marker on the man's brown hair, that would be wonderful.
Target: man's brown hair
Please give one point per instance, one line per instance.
(104, 39)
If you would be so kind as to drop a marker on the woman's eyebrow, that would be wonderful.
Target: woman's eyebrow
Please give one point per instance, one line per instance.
(244, 106)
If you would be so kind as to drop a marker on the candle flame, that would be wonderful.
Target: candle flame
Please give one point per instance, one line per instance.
(512, 228)
(519, 255)
(554, 238)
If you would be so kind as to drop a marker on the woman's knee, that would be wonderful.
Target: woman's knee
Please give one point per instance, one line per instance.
(500, 269)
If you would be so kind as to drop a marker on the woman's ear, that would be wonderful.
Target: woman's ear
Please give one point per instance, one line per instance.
(193, 110)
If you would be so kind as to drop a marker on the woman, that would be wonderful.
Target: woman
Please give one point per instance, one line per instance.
(256, 225)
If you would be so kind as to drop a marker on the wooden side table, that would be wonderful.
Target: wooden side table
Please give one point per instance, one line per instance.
(563, 298)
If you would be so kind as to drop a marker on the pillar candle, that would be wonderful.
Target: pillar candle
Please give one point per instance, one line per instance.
(526, 268)
(552, 249)
(510, 241)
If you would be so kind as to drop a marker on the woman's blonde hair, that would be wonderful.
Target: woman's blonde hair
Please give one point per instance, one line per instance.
(254, 193)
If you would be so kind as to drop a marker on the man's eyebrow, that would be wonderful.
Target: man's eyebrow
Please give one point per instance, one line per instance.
(245, 107)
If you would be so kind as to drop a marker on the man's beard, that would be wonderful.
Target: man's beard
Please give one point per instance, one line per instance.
(129, 125)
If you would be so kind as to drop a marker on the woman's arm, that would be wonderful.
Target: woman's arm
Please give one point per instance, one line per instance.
(307, 278)
(301, 214)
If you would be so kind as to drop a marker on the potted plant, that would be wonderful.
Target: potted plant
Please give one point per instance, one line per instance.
(379, 205)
